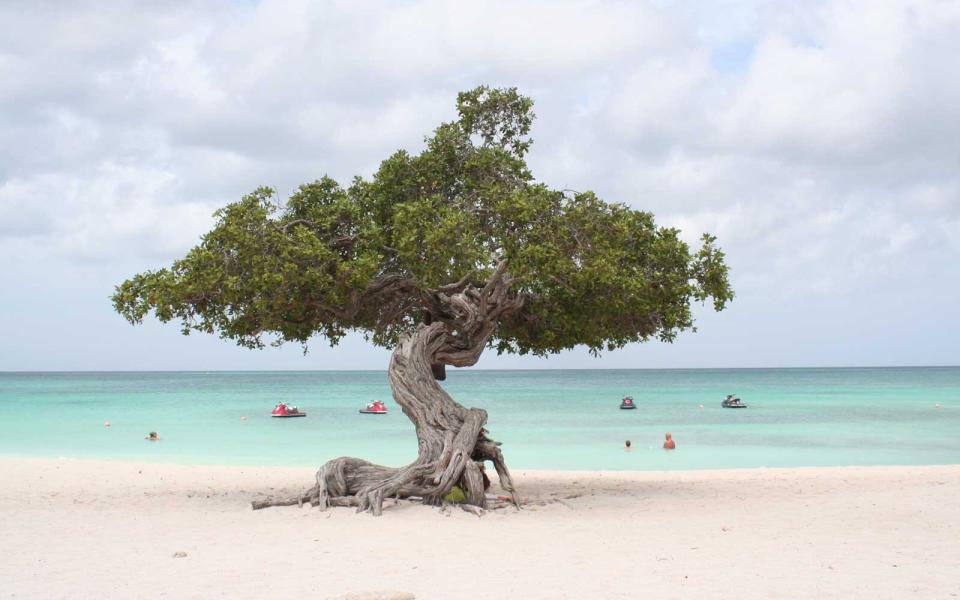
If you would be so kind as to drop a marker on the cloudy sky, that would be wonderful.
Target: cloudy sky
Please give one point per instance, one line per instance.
(820, 141)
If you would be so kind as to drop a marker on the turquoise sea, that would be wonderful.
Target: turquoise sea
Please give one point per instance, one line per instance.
(546, 419)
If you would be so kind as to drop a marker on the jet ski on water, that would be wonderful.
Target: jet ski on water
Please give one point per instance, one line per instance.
(284, 410)
(627, 403)
(374, 408)
(732, 402)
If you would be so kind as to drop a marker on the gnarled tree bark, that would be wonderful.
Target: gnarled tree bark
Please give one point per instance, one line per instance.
(453, 444)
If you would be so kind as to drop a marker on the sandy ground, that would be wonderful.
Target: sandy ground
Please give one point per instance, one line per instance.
(90, 529)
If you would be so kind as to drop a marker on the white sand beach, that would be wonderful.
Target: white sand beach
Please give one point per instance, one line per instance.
(96, 529)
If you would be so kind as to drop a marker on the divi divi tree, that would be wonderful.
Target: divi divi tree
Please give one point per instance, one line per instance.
(439, 255)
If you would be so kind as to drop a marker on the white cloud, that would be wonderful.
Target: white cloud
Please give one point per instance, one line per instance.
(816, 139)
(115, 210)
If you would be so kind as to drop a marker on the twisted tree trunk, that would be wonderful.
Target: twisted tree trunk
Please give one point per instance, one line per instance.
(453, 444)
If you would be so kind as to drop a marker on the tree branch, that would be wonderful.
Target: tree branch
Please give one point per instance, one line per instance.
(456, 287)
(286, 226)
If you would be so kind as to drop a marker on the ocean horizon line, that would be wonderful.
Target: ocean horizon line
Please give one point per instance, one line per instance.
(479, 369)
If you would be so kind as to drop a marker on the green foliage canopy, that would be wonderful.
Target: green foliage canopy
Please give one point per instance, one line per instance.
(373, 256)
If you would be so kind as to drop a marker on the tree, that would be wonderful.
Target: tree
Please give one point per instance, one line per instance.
(439, 255)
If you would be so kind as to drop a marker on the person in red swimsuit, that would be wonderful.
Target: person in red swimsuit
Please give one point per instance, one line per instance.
(669, 444)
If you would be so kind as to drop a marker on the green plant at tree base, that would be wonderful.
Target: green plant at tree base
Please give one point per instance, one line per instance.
(456, 495)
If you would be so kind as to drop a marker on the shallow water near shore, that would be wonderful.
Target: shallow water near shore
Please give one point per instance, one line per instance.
(546, 419)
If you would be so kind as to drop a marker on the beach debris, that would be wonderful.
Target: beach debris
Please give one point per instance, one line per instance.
(179, 554)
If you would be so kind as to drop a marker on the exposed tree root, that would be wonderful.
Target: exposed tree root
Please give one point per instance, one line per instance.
(453, 444)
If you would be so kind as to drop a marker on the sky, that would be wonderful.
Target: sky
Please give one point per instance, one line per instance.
(819, 141)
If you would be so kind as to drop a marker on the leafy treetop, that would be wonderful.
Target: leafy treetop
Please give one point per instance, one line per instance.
(374, 255)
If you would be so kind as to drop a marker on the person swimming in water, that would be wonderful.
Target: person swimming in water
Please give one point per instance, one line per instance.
(669, 444)
(626, 446)
(152, 437)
